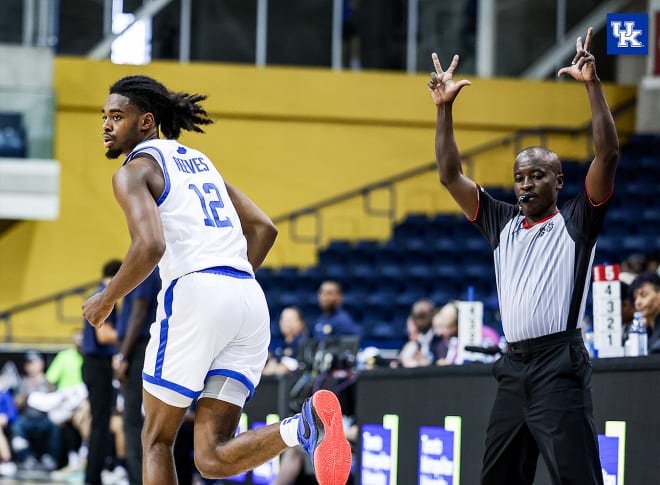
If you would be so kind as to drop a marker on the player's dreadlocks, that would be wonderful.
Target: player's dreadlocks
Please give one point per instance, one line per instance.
(172, 111)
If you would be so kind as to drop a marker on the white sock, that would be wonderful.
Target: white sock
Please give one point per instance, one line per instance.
(289, 430)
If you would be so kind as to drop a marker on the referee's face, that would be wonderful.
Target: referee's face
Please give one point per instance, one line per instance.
(538, 176)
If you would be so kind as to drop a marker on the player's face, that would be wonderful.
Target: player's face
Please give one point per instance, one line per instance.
(121, 126)
(538, 178)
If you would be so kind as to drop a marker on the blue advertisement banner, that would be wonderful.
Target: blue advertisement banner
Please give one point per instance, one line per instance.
(436, 456)
(376, 463)
(609, 458)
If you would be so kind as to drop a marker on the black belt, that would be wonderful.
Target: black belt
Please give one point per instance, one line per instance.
(529, 347)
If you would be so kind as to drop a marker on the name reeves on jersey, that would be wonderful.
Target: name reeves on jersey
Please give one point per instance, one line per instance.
(191, 165)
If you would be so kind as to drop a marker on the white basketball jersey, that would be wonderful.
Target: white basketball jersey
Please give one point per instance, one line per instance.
(201, 226)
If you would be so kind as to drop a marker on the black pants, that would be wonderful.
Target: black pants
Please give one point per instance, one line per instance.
(133, 420)
(97, 374)
(543, 404)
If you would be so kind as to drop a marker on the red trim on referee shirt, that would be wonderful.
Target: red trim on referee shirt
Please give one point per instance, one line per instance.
(527, 225)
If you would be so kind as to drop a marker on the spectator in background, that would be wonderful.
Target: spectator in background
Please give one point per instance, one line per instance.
(627, 310)
(422, 316)
(334, 321)
(98, 347)
(627, 304)
(445, 341)
(631, 267)
(410, 355)
(285, 358)
(645, 290)
(137, 314)
(34, 435)
(65, 375)
(8, 413)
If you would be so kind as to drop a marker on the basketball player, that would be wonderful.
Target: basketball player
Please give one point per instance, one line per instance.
(543, 263)
(210, 339)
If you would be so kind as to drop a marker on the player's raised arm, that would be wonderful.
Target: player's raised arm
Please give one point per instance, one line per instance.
(600, 178)
(444, 91)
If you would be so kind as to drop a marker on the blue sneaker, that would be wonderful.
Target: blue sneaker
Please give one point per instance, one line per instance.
(321, 434)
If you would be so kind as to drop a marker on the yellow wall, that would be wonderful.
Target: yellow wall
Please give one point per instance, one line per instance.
(288, 138)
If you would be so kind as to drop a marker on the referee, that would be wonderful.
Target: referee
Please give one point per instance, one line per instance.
(542, 265)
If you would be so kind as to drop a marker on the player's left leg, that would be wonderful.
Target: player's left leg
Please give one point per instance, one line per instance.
(161, 424)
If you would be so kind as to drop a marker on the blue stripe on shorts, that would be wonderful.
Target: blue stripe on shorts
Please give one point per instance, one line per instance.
(228, 271)
(234, 375)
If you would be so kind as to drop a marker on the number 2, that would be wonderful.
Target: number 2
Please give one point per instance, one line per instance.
(213, 204)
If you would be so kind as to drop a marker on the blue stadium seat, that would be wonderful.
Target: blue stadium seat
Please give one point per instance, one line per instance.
(337, 251)
(385, 330)
(418, 271)
(367, 251)
(290, 298)
(311, 277)
(446, 271)
(651, 216)
(335, 271)
(389, 271)
(637, 244)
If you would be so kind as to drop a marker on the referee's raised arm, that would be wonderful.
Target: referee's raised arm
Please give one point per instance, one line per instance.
(600, 178)
(444, 91)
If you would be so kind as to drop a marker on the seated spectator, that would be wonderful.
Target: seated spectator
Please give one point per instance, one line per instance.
(422, 314)
(35, 438)
(445, 341)
(285, 358)
(8, 414)
(445, 326)
(627, 310)
(334, 321)
(65, 374)
(645, 290)
(631, 267)
(410, 354)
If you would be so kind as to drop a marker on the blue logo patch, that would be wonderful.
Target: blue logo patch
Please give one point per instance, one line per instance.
(181, 150)
(627, 33)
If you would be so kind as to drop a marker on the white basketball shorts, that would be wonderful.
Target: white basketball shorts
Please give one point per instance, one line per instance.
(210, 323)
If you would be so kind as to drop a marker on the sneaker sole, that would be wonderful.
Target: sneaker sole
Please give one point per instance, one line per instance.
(332, 457)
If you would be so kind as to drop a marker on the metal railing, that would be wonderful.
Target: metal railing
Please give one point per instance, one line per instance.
(57, 298)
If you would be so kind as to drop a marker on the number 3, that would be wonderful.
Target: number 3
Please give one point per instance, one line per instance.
(214, 205)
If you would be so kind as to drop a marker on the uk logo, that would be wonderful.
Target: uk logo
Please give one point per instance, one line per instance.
(627, 33)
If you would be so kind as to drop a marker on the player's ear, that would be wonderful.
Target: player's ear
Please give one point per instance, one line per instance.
(560, 181)
(147, 122)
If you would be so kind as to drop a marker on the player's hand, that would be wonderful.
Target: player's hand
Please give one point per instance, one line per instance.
(583, 66)
(442, 86)
(95, 311)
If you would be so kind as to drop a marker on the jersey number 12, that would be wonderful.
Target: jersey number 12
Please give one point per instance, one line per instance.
(211, 203)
